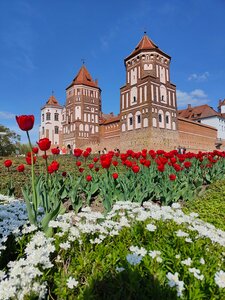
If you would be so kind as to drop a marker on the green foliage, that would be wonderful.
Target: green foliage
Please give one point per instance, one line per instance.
(8, 141)
(211, 205)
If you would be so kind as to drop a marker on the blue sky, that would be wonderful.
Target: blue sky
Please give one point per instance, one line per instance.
(43, 42)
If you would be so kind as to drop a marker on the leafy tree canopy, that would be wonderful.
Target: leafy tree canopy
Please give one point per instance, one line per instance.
(9, 141)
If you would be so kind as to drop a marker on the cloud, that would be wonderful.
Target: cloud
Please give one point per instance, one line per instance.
(6, 115)
(199, 77)
(195, 97)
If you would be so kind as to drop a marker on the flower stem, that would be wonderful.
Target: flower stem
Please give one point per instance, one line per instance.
(35, 204)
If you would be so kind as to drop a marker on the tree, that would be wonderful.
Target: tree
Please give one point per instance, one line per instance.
(8, 141)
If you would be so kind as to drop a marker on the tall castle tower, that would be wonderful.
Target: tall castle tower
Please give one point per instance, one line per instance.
(80, 119)
(148, 99)
(51, 122)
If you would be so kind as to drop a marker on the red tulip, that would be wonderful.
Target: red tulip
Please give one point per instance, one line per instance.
(78, 163)
(187, 164)
(172, 177)
(20, 168)
(55, 165)
(25, 122)
(95, 159)
(161, 168)
(88, 150)
(50, 169)
(35, 150)
(44, 144)
(55, 151)
(64, 174)
(106, 163)
(115, 163)
(89, 178)
(115, 175)
(91, 166)
(7, 163)
(135, 169)
(86, 154)
(28, 159)
(77, 152)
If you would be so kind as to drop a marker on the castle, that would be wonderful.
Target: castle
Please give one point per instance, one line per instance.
(148, 115)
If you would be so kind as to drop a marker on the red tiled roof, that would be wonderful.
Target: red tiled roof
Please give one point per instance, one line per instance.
(198, 112)
(52, 101)
(83, 77)
(110, 120)
(145, 44)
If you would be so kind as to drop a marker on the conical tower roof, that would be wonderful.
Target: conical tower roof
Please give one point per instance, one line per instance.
(145, 44)
(84, 78)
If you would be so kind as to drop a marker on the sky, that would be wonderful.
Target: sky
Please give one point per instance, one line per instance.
(43, 43)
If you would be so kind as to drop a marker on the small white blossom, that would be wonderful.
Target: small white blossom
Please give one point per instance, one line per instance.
(176, 205)
(120, 269)
(202, 261)
(65, 245)
(71, 282)
(133, 259)
(220, 279)
(187, 261)
(151, 227)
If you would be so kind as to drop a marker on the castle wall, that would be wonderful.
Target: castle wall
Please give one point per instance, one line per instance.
(195, 136)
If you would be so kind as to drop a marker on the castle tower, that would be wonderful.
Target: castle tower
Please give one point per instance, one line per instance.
(51, 122)
(82, 111)
(148, 99)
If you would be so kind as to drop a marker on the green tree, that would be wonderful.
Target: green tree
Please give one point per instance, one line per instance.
(8, 141)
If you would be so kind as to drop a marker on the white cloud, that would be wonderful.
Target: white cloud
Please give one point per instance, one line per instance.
(6, 115)
(195, 97)
(199, 77)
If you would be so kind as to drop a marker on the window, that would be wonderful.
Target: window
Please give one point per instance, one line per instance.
(43, 117)
(162, 98)
(167, 119)
(139, 119)
(48, 116)
(134, 99)
(56, 129)
(56, 117)
(43, 130)
(160, 118)
(131, 121)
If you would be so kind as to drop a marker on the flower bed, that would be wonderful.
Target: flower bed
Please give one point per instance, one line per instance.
(151, 251)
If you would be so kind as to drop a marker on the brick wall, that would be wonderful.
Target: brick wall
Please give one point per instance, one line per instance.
(195, 136)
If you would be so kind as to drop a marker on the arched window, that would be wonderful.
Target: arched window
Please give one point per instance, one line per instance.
(161, 119)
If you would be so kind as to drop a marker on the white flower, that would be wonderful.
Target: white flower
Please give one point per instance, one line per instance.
(139, 251)
(65, 245)
(177, 256)
(196, 273)
(176, 205)
(175, 282)
(188, 240)
(154, 253)
(220, 278)
(71, 282)
(120, 269)
(133, 259)
(187, 261)
(202, 261)
(151, 227)
(181, 233)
